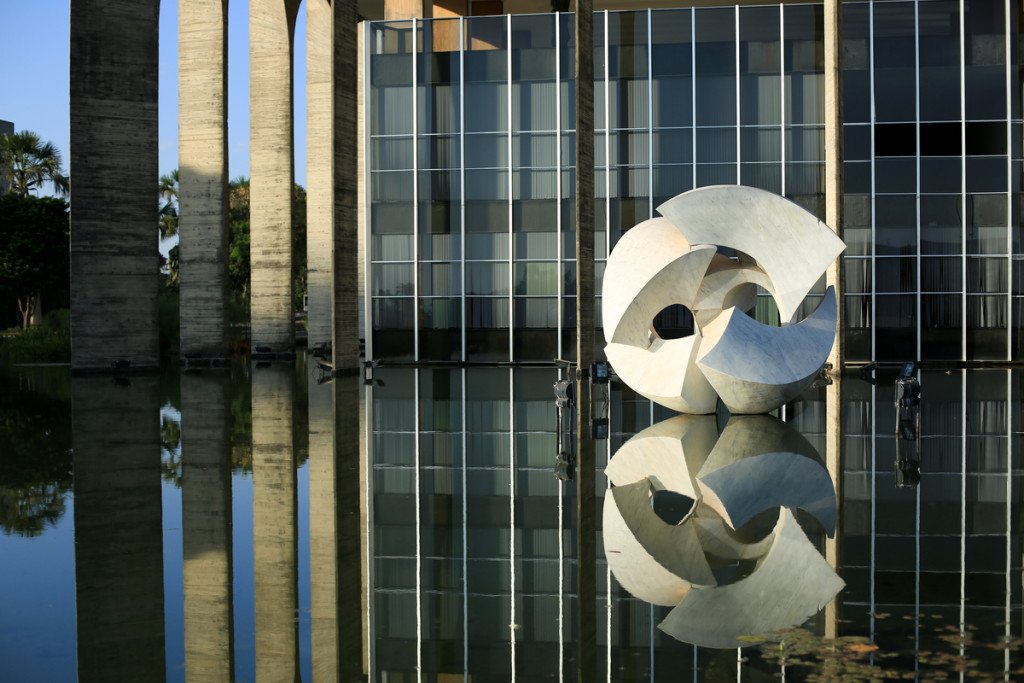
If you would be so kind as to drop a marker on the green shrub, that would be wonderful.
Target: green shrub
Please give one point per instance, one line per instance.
(46, 343)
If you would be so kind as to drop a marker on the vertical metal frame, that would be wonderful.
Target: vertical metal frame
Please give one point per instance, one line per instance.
(511, 166)
(512, 508)
(736, 38)
(963, 492)
(607, 150)
(465, 524)
(874, 505)
(917, 166)
(559, 256)
(963, 183)
(693, 109)
(419, 547)
(369, 618)
(1009, 493)
(367, 192)
(1009, 184)
(782, 96)
(415, 207)
(462, 192)
(874, 269)
(650, 117)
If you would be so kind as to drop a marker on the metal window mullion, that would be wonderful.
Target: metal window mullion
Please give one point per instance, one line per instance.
(874, 269)
(963, 502)
(607, 567)
(650, 116)
(1009, 496)
(511, 238)
(369, 618)
(462, 182)
(419, 547)
(607, 149)
(367, 201)
(736, 11)
(1009, 187)
(415, 220)
(465, 539)
(963, 185)
(693, 105)
(782, 94)
(917, 152)
(559, 256)
(512, 513)
(874, 449)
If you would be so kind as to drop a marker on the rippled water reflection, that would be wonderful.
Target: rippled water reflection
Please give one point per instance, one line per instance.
(255, 523)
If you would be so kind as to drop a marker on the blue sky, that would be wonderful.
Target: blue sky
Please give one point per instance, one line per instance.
(34, 78)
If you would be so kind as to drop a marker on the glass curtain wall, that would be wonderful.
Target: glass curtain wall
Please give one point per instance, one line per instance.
(483, 269)
(932, 180)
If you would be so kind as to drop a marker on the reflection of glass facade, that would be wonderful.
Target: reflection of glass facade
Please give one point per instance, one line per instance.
(470, 181)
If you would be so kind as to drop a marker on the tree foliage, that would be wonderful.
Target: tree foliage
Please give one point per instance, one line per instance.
(27, 163)
(169, 204)
(34, 248)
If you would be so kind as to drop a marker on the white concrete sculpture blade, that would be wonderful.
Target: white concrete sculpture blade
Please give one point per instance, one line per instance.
(756, 368)
(653, 267)
(790, 585)
(789, 244)
(760, 463)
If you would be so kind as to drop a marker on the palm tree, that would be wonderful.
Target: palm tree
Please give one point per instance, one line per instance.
(169, 204)
(26, 163)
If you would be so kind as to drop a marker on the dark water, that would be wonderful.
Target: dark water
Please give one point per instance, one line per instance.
(254, 523)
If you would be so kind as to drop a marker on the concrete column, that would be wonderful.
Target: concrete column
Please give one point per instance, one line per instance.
(119, 582)
(585, 464)
(834, 462)
(323, 531)
(345, 335)
(203, 183)
(113, 99)
(834, 164)
(275, 549)
(403, 9)
(271, 28)
(319, 169)
(206, 527)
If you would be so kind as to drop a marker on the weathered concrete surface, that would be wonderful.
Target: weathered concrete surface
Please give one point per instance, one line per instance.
(206, 526)
(586, 503)
(203, 175)
(791, 584)
(756, 368)
(319, 170)
(345, 46)
(271, 166)
(275, 523)
(119, 583)
(113, 100)
(834, 161)
(323, 530)
(790, 245)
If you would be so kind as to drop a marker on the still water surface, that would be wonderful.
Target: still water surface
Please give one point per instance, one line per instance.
(255, 523)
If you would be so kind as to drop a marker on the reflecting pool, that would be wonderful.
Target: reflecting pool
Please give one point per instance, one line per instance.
(269, 522)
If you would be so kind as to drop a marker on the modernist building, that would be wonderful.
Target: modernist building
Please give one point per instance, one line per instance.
(470, 214)
(443, 150)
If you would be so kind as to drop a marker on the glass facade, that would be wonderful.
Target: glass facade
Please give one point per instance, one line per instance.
(470, 174)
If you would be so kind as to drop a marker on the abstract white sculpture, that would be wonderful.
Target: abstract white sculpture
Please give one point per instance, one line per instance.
(753, 367)
(758, 463)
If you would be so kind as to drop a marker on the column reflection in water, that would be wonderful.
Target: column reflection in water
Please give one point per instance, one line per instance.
(337, 525)
(275, 549)
(118, 532)
(206, 527)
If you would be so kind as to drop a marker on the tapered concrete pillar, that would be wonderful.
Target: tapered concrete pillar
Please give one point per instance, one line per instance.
(118, 530)
(275, 551)
(834, 164)
(203, 181)
(113, 99)
(271, 28)
(585, 465)
(206, 527)
(834, 462)
(319, 169)
(323, 531)
(345, 48)
(352, 470)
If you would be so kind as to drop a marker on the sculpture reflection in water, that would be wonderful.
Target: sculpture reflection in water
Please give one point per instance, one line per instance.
(707, 523)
